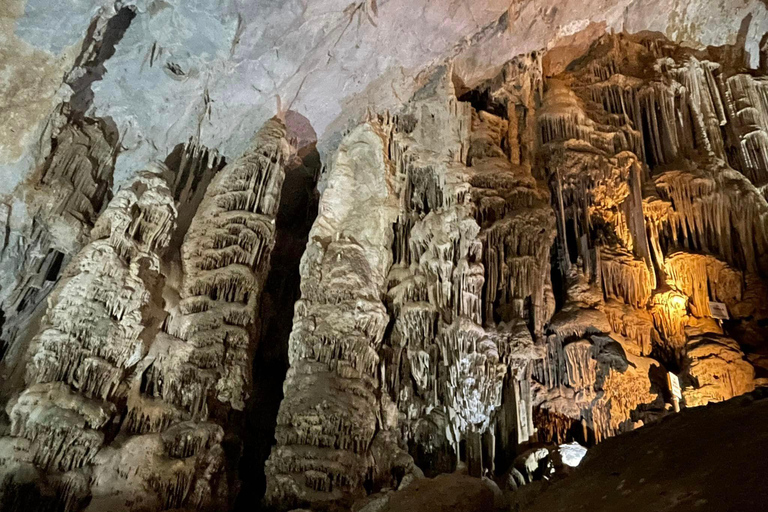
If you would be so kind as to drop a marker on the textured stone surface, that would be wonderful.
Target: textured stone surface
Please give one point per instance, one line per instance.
(214, 69)
(524, 222)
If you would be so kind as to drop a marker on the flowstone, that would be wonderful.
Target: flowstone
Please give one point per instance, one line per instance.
(144, 351)
(495, 270)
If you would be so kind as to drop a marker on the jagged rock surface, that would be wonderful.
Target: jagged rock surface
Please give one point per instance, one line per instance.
(490, 268)
(619, 169)
(142, 353)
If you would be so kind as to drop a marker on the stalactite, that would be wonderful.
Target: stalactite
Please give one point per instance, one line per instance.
(634, 324)
(94, 334)
(69, 191)
(197, 165)
(580, 365)
(716, 209)
(625, 277)
(552, 427)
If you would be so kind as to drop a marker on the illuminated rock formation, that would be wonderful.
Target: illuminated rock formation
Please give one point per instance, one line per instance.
(505, 254)
(100, 320)
(125, 405)
(639, 160)
(715, 370)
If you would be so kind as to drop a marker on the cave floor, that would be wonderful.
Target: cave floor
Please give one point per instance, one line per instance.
(712, 458)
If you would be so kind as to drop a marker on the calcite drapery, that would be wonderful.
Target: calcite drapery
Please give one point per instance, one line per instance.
(330, 413)
(638, 139)
(126, 406)
(715, 370)
(100, 319)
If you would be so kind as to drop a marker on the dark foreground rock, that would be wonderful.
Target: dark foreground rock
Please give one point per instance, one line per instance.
(711, 458)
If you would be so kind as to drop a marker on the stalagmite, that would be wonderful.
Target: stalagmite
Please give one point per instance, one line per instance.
(99, 321)
(197, 371)
(497, 264)
(109, 354)
(463, 256)
(330, 413)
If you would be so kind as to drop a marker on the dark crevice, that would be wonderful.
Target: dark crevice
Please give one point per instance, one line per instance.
(3, 346)
(55, 268)
(295, 216)
(95, 52)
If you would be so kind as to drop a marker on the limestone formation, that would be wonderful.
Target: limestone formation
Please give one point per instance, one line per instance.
(716, 370)
(646, 204)
(330, 413)
(69, 192)
(133, 368)
(98, 326)
(513, 255)
(225, 258)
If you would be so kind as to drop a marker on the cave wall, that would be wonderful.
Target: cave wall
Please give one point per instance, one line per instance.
(557, 243)
(507, 250)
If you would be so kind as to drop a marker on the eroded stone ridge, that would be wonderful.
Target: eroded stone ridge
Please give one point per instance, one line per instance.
(144, 350)
(623, 171)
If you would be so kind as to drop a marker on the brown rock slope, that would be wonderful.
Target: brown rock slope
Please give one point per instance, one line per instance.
(710, 458)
